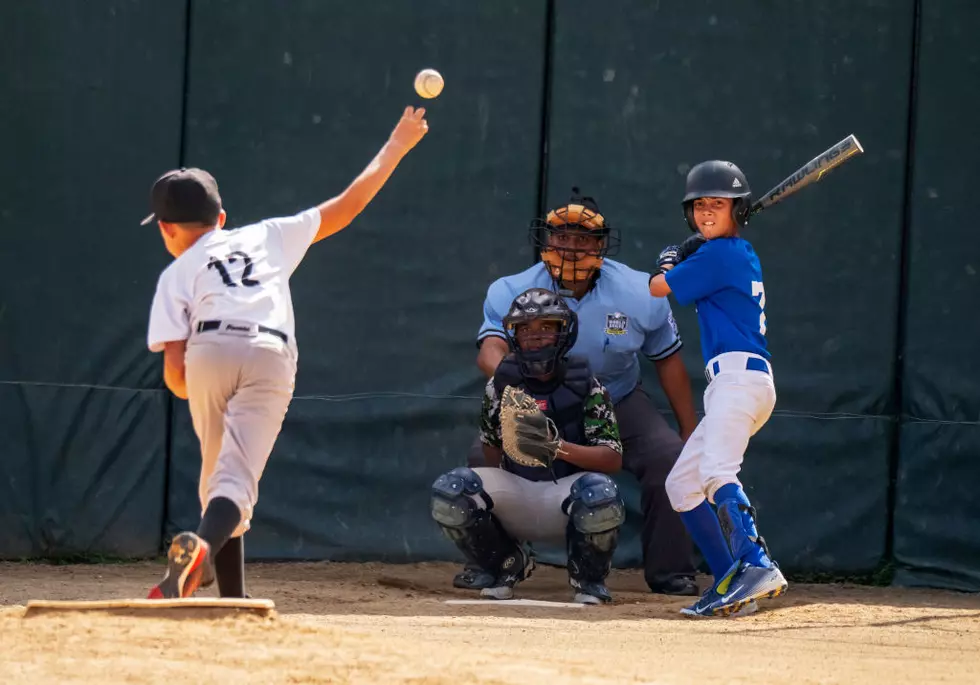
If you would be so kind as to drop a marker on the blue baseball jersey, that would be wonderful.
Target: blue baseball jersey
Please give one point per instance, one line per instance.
(724, 280)
(617, 321)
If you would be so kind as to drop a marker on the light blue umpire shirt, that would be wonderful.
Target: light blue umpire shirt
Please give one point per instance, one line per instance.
(617, 319)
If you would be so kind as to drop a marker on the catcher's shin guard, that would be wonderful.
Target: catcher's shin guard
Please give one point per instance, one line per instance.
(473, 529)
(595, 513)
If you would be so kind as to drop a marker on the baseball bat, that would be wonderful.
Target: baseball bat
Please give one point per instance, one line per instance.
(811, 172)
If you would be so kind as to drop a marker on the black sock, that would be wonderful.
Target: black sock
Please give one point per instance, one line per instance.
(229, 568)
(220, 520)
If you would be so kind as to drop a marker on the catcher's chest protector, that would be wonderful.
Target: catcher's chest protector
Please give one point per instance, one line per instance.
(563, 403)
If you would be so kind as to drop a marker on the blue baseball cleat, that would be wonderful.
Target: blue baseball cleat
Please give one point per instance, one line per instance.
(753, 582)
(709, 607)
(727, 597)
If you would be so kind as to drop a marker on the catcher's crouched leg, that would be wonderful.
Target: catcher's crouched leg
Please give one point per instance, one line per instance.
(595, 513)
(462, 509)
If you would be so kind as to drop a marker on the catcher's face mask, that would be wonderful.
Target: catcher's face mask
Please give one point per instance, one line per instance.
(539, 345)
(540, 330)
(538, 334)
(573, 240)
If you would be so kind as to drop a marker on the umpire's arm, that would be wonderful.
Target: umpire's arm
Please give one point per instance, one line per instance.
(491, 338)
(492, 350)
(662, 346)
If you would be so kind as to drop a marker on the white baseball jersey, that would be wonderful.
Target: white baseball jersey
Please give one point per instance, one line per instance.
(239, 275)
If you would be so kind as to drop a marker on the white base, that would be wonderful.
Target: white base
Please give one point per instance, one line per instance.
(519, 603)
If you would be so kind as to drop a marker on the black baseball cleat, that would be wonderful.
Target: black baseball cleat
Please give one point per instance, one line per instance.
(188, 568)
(516, 567)
(678, 585)
(590, 592)
(473, 577)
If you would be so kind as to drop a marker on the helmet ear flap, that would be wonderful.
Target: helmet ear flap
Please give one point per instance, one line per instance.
(689, 215)
(740, 210)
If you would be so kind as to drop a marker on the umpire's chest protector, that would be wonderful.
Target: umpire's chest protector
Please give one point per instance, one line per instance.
(562, 401)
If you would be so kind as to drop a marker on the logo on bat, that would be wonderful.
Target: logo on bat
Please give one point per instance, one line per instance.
(828, 159)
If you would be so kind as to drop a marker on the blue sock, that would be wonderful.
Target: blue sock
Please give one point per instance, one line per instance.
(743, 536)
(702, 524)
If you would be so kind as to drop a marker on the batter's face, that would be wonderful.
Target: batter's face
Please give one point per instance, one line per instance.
(537, 334)
(713, 216)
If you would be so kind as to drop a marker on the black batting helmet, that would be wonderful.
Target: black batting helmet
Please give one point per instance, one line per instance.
(717, 178)
(540, 304)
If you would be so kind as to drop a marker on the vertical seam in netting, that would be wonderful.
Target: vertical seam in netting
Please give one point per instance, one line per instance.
(182, 161)
(544, 140)
(186, 84)
(903, 286)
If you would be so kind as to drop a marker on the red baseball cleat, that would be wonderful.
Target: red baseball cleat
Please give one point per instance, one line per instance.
(188, 568)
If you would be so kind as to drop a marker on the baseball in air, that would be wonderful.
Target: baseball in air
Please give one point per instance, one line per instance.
(429, 83)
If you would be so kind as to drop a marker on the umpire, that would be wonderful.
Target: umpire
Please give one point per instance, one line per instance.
(618, 321)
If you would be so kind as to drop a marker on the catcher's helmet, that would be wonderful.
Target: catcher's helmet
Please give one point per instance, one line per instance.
(539, 304)
(581, 215)
(717, 179)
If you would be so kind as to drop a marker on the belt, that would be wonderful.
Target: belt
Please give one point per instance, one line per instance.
(205, 326)
(736, 361)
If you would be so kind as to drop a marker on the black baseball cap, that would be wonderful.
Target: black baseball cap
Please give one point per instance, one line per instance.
(184, 196)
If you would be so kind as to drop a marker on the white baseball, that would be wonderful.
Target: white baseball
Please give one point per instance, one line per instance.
(429, 83)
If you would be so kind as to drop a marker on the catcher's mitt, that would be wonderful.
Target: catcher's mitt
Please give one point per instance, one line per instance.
(530, 438)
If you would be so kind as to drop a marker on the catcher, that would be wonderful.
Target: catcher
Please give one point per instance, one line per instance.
(549, 436)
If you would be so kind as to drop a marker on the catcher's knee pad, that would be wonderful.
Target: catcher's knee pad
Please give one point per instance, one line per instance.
(456, 506)
(456, 497)
(593, 505)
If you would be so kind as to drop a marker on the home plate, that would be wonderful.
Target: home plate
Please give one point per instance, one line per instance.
(190, 607)
(519, 603)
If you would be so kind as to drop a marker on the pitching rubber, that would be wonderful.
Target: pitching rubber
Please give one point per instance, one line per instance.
(157, 608)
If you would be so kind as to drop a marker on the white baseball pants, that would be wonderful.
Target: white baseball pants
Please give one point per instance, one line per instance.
(527, 509)
(238, 393)
(737, 403)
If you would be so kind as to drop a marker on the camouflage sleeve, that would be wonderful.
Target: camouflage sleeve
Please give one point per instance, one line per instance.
(601, 427)
(490, 418)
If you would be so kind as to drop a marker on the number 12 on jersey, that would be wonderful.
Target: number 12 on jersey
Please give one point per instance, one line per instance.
(246, 278)
(758, 290)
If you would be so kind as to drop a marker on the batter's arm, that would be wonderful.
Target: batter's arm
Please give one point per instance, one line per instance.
(337, 213)
(173, 367)
(677, 387)
(492, 350)
(659, 287)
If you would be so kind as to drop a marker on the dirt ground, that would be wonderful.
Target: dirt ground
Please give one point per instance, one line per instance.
(373, 623)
